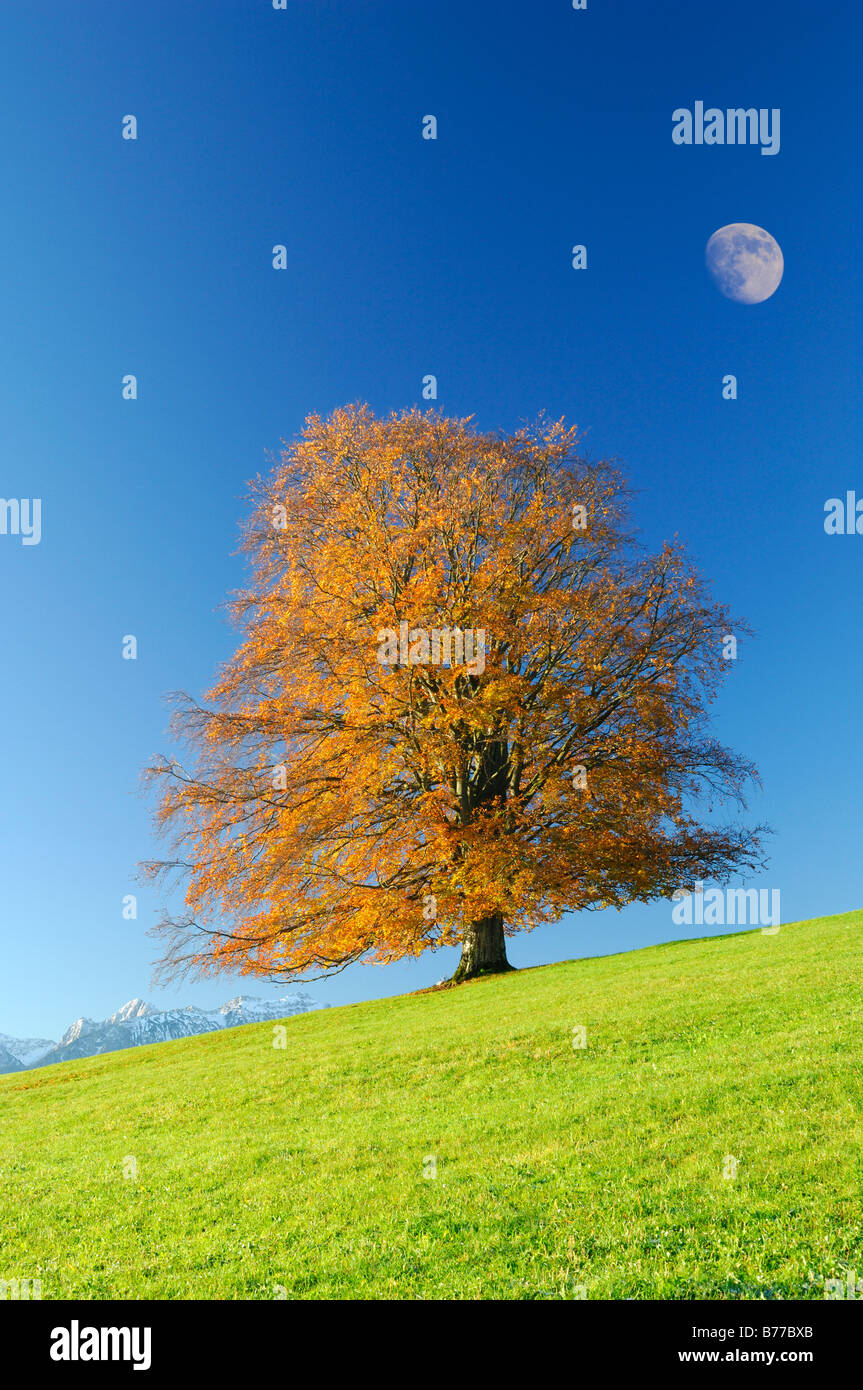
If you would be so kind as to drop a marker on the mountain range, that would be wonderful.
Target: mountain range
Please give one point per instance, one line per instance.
(138, 1023)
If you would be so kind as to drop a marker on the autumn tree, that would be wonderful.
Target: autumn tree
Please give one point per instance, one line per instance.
(464, 702)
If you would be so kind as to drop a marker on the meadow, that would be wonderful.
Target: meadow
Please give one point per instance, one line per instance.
(704, 1142)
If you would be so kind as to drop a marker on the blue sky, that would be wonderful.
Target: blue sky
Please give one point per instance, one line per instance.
(405, 257)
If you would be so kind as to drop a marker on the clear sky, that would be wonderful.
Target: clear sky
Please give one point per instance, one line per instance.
(405, 257)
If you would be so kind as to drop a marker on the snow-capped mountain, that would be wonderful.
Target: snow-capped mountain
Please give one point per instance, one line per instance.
(26, 1051)
(136, 1008)
(138, 1023)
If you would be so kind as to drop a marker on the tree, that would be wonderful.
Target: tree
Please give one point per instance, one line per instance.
(464, 703)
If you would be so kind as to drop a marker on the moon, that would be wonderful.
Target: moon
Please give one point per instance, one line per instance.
(745, 261)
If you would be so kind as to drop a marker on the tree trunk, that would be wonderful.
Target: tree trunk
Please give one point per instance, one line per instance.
(483, 950)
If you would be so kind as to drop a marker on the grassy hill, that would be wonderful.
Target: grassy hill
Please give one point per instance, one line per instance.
(265, 1173)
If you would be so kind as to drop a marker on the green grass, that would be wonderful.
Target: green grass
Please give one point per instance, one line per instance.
(264, 1172)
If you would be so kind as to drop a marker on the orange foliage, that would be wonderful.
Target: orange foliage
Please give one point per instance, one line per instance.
(341, 808)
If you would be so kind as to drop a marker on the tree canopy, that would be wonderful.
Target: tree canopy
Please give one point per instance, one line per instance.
(465, 701)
